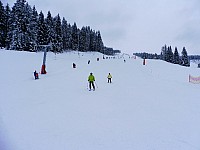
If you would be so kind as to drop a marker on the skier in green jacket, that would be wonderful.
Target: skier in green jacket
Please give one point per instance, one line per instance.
(109, 78)
(91, 80)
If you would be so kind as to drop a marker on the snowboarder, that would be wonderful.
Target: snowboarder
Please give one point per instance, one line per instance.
(91, 80)
(109, 78)
(36, 75)
(88, 61)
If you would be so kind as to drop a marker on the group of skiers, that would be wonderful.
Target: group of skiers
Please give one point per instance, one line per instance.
(91, 80)
(91, 77)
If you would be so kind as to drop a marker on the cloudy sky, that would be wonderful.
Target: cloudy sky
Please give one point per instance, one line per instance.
(133, 25)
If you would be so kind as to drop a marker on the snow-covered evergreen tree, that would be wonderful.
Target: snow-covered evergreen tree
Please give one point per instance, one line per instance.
(176, 56)
(28, 31)
(64, 33)
(99, 46)
(20, 16)
(164, 53)
(58, 34)
(33, 29)
(75, 37)
(185, 59)
(87, 41)
(69, 37)
(42, 35)
(8, 26)
(16, 22)
(51, 29)
(93, 41)
(82, 40)
(2, 25)
(170, 55)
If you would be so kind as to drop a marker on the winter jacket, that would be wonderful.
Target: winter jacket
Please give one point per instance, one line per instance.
(91, 78)
(35, 73)
(109, 76)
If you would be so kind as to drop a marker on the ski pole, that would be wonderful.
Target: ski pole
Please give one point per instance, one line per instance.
(96, 84)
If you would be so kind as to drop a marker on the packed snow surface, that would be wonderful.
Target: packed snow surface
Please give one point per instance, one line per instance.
(146, 107)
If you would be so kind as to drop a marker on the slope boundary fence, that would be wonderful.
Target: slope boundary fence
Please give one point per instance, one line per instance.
(195, 80)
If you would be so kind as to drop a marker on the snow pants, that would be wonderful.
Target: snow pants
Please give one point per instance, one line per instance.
(109, 80)
(91, 84)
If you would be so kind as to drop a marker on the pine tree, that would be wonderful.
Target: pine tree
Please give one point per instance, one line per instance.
(64, 33)
(42, 35)
(33, 29)
(75, 37)
(99, 47)
(164, 53)
(82, 40)
(15, 26)
(8, 26)
(93, 41)
(170, 55)
(87, 40)
(185, 59)
(2, 25)
(69, 37)
(176, 56)
(51, 28)
(58, 34)
(19, 21)
(28, 29)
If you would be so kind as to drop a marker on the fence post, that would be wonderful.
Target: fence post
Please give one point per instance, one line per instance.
(189, 77)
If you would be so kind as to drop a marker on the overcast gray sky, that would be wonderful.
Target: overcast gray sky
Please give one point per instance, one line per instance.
(133, 25)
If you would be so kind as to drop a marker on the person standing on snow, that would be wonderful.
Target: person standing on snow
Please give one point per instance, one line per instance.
(73, 65)
(91, 80)
(109, 78)
(36, 75)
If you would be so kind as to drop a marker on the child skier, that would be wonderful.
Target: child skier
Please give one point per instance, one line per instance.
(109, 78)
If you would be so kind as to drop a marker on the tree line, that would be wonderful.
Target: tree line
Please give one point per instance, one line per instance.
(168, 55)
(23, 29)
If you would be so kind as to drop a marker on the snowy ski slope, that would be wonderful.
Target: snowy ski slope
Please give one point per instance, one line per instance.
(151, 107)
